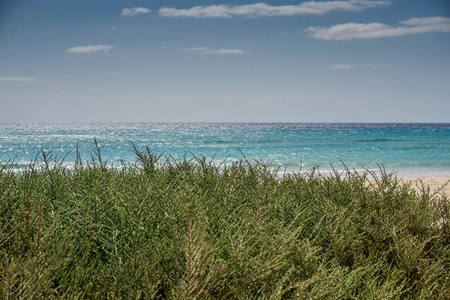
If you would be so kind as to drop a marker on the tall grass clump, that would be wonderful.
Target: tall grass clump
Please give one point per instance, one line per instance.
(162, 228)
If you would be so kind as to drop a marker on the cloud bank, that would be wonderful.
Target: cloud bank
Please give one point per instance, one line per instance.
(134, 11)
(266, 10)
(348, 31)
(204, 50)
(89, 49)
(17, 79)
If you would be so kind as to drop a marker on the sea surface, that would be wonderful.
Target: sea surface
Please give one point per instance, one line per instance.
(408, 150)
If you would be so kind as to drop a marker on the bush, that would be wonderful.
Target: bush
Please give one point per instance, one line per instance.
(190, 229)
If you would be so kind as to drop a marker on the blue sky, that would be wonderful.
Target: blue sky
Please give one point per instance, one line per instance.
(225, 61)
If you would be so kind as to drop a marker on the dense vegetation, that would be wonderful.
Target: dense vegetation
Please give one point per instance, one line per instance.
(166, 228)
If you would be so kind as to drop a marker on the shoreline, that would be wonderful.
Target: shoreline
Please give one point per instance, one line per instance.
(440, 184)
(436, 184)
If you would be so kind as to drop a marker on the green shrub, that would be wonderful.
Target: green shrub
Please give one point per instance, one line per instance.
(190, 229)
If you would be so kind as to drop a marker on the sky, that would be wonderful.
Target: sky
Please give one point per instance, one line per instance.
(225, 61)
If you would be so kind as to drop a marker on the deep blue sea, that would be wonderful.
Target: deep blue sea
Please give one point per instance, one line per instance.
(411, 150)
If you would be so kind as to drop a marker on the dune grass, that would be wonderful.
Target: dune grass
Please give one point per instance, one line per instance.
(190, 229)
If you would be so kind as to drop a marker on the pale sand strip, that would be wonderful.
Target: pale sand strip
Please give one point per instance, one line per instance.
(435, 183)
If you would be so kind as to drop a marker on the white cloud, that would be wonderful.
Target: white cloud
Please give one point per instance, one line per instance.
(426, 21)
(349, 31)
(204, 50)
(2, 62)
(266, 10)
(341, 67)
(17, 79)
(134, 11)
(197, 49)
(113, 28)
(88, 49)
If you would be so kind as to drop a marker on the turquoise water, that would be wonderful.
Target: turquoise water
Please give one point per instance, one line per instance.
(409, 149)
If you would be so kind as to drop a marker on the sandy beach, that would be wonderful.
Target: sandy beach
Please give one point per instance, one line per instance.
(435, 183)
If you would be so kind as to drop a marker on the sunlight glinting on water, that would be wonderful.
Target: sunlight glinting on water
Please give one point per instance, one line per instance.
(410, 149)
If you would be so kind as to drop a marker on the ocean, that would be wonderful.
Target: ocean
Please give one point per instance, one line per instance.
(408, 150)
